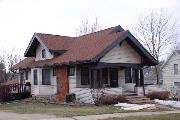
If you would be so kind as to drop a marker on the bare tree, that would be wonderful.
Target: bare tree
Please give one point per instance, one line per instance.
(8, 59)
(86, 27)
(2, 69)
(13, 57)
(177, 46)
(157, 31)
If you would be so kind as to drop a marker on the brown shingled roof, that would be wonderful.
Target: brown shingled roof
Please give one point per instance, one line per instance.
(25, 63)
(83, 48)
(78, 48)
(56, 42)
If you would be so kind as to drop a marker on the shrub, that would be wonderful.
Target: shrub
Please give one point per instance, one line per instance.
(111, 99)
(162, 95)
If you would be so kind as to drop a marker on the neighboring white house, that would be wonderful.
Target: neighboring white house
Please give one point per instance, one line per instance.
(171, 70)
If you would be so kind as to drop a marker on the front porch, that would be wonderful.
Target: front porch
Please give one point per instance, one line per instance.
(114, 78)
(113, 75)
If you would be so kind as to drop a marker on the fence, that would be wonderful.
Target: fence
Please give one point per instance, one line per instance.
(14, 91)
(4, 93)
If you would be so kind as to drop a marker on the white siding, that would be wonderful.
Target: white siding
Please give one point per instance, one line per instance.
(72, 81)
(123, 53)
(43, 89)
(39, 53)
(168, 71)
(121, 81)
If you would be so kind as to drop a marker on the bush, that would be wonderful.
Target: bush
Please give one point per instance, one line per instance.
(161, 95)
(110, 99)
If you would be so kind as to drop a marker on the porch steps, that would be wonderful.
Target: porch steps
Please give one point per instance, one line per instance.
(127, 92)
(138, 100)
(130, 94)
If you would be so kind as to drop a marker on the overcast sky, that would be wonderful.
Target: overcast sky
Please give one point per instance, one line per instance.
(19, 19)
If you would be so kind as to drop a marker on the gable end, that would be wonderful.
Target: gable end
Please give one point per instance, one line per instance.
(148, 59)
(33, 45)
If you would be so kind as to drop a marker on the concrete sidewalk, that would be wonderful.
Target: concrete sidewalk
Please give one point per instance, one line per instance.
(16, 116)
(104, 116)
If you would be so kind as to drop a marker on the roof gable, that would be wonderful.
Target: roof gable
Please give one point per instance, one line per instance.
(56, 42)
(175, 52)
(122, 53)
(148, 58)
(53, 43)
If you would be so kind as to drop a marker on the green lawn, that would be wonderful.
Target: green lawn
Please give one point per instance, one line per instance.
(62, 110)
(154, 117)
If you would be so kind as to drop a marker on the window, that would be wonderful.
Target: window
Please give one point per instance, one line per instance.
(54, 71)
(35, 77)
(26, 75)
(43, 53)
(177, 84)
(45, 76)
(71, 71)
(130, 75)
(175, 68)
(84, 76)
(21, 78)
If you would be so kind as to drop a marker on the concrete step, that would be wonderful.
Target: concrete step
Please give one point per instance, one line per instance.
(130, 94)
(135, 97)
(138, 99)
(141, 102)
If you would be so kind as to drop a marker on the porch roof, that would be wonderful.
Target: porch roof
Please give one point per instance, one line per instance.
(115, 65)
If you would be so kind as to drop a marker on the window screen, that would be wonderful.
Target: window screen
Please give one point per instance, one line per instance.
(45, 76)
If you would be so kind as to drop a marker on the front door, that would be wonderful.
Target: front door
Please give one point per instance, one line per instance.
(113, 77)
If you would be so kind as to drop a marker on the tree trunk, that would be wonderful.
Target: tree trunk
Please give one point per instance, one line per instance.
(157, 74)
(142, 80)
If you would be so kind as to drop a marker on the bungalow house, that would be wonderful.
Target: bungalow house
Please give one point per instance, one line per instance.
(171, 70)
(58, 65)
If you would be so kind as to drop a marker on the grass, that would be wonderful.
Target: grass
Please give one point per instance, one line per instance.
(154, 117)
(59, 110)
(62, 110)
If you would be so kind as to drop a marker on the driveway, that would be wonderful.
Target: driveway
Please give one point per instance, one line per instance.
(16, 116)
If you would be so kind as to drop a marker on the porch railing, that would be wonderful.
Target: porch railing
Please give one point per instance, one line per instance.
(14, 91)
(20, 88)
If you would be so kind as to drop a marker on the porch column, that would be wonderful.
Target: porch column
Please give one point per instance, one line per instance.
(90, 79)
(100, 79)
(108, 77)
(142, 80)
(94, 78)
(137, 77)
(141, 77)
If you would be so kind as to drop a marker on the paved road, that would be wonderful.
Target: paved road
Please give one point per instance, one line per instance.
(15, 116)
